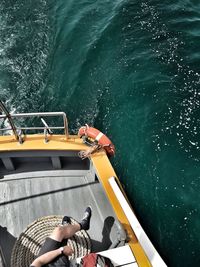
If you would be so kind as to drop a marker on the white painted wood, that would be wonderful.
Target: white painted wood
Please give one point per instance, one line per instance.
(145, 242)
(119, 256)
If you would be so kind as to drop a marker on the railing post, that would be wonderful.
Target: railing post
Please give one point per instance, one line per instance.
(8, 116)
(66, 125)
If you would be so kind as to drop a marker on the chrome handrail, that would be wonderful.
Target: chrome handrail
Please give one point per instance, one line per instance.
(39, 115)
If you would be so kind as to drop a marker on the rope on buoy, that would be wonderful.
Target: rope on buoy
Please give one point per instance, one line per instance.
(83, 154)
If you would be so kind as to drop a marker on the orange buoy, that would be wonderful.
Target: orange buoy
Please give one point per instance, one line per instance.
(99, 137)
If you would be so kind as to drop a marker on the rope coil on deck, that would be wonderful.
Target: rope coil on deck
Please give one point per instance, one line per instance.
(28, 244)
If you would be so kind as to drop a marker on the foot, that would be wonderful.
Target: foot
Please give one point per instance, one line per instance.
(85, 222)
(66, 220)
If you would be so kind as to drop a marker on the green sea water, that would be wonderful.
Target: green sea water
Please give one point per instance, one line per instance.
(131, 69)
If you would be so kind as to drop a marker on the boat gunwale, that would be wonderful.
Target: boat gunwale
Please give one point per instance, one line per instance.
(103, 169)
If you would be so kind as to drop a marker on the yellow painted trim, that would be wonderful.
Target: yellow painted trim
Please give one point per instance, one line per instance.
(102, 166)
(36, 142)
(104, 171)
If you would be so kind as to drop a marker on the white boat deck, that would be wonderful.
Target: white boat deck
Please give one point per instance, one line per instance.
(27, 196)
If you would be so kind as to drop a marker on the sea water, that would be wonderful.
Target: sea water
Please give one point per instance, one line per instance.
(131, 69)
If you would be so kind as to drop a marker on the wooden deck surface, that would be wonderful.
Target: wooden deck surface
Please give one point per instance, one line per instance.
(27, 196)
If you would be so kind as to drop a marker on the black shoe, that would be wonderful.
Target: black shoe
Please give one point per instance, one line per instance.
(85, 222)
(66, 220)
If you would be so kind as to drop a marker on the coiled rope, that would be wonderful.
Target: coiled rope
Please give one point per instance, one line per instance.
(28, 244)
(83, 154)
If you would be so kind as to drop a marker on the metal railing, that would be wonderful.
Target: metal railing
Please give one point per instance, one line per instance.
(17, 131)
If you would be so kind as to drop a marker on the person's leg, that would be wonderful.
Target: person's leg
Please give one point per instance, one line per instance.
(85, 222)
(67, 230)
(49, 245)
(64, 231)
